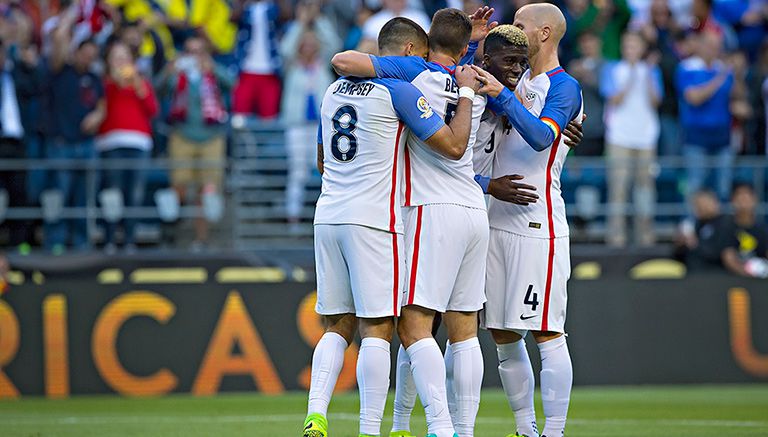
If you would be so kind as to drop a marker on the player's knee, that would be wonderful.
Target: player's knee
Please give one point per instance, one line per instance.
(505, 337)
(544, 336)
(343, 324)
(414, 324)
(461, 326)
(377, 328)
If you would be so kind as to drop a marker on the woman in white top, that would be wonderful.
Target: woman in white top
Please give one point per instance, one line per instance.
(632, 88)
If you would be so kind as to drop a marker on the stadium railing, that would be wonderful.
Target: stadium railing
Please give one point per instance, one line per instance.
(257, 172)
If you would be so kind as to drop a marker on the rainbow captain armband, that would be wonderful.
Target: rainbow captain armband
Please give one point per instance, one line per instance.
(552, 125)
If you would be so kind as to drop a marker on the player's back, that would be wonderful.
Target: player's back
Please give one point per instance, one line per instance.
(363, 143)
(545, 218)
(431, 178)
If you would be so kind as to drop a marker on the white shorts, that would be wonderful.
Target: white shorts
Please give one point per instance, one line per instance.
(446, 251)
(360, 270)
(526, 283)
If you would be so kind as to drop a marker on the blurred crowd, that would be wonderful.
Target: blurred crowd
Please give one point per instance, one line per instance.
(125, 80)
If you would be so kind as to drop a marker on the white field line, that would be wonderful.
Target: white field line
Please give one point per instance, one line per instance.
(48, 419)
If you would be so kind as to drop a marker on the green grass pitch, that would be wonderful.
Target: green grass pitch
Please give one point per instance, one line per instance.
(697, 411)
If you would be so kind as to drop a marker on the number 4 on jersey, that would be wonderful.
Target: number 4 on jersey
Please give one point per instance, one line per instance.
(531, 298)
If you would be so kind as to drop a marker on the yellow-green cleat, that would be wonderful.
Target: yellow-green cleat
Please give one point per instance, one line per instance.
(401, 434)
(315, 425)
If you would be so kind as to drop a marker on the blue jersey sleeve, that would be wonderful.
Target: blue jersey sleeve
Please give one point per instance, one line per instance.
(319, 133)
(562, 105)
(413, 109)
(483, 181)
(398, 67)
(469, 57)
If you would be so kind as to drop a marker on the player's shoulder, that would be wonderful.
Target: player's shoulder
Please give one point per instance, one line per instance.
(559, 78)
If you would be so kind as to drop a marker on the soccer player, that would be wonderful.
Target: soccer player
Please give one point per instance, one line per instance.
(506, 58)
(445, 226)
(528, 259)
(358, 224)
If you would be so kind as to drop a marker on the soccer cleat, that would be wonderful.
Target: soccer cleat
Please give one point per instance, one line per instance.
(401, 434)
(315, 425)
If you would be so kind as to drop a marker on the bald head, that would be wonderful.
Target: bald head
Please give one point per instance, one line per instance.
(543, 23)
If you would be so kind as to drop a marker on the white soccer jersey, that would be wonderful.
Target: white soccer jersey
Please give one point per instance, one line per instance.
(562, 96)
(489, 135)
(430, 178)
(363, 141)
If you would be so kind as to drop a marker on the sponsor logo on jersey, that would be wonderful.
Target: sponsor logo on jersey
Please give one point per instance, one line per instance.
(534, 225)
(424, 108)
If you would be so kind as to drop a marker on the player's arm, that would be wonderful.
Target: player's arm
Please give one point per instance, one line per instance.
(561, 106)
(507, 189)
(357, 64)
(731, 261)
(481, 26)
(320, 153)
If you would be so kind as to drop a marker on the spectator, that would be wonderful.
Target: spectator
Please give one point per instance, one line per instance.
(306, 79)
(704, 86)
(125, 137)
(29, 76)
(258, 87)
(747, 19)
(587, 71)
(662, 33)
(391, 9)
(608, 19)
(745, 238)
(698, 244)
(157, 39)
(632, 88)
(741, 107)
(73, 95)
(11, 147)
(209, 19)
(198, 116)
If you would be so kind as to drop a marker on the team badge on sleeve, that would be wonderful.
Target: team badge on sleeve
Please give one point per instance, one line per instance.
(424, 108)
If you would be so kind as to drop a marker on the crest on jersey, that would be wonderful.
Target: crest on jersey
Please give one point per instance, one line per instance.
(530, 97)
(424, 108)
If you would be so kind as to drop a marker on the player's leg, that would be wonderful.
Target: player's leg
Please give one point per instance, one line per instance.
(428, 367)
(335, 303)
(467, 372)
(405, 396)
(405, 389)
(467, 298)
(556, 369)
(517, 379)
(376, 267)
(507, 286)
(373, 366)
(556, 380)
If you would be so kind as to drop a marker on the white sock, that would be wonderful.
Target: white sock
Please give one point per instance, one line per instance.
(449, 390)
(467, 382)
(428, 370)
(405, 393)
(556, 382)
(373, 365)
(327, 361)
(516, 375)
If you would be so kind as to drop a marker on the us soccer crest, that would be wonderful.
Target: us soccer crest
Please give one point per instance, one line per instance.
(424, 108)
(530, 97)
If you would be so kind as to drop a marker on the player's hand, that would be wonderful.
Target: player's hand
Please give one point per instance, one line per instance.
(574, 132)
(507, 190)
(480, 24)
(490, 85)
(466, 77)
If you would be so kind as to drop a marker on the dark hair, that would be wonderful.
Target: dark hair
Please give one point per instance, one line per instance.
(450, 31)
(399, 31)
(87, 41)
(742, 185)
